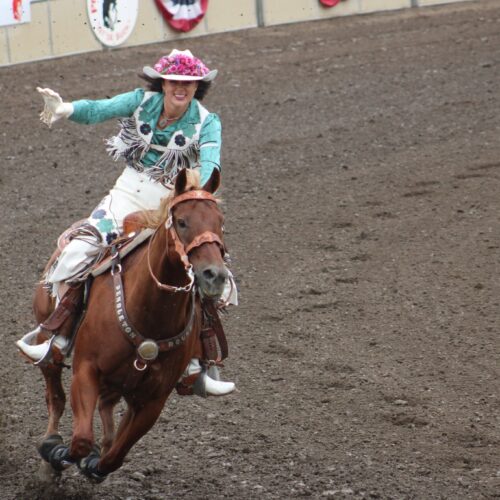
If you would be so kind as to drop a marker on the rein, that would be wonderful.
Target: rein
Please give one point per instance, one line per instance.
(147, 350)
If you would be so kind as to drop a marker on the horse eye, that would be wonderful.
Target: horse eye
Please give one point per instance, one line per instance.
(181, 223)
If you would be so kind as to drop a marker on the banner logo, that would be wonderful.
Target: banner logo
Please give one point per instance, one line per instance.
(112, 21)
(14, 12)
(17, 9)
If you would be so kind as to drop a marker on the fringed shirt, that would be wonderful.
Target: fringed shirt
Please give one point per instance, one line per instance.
(193, 141)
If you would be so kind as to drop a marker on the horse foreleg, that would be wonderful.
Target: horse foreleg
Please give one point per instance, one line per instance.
(84, 394)
(107, 402)
(138, 422)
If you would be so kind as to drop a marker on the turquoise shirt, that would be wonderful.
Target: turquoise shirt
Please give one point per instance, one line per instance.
(123, 106)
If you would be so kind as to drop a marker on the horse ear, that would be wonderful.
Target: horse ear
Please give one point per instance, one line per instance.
(213, 183)
(181, 182)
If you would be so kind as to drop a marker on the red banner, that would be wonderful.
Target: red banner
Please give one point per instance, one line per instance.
(182, 15)
(329, 3)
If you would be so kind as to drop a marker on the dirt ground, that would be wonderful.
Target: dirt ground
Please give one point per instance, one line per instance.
(361, 172)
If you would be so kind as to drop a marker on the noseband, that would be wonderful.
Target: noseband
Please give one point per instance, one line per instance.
(183, 251)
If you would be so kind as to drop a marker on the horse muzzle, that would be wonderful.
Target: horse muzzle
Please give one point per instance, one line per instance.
(209, 270)
(210, 280)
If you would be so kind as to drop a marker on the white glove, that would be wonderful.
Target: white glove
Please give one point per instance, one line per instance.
(54, 108)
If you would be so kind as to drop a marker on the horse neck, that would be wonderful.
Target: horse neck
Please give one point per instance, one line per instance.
(158, 312)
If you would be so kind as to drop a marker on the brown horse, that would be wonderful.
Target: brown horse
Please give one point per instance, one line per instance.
(162, 284)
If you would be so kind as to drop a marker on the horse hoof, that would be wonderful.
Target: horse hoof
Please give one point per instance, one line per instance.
(53, 451)
(89, 466)
(47, 443)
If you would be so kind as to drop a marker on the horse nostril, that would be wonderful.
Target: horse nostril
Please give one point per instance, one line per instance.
(209, 274)
(213, 276)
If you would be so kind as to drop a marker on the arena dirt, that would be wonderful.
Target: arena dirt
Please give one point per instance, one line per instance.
(361, 172)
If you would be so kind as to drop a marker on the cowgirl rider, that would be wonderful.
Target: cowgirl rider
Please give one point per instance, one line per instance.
(163, 129)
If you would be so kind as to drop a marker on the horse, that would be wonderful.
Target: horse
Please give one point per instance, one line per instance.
(158, 290)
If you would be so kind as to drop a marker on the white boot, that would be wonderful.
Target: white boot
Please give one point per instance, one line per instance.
(38, 352)
(204, 385)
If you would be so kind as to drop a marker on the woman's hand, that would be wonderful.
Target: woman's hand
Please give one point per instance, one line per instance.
(54, 108)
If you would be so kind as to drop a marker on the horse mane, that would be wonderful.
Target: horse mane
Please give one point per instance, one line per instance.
(154, 218)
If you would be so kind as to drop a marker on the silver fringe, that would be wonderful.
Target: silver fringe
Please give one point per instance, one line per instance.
(129, 145)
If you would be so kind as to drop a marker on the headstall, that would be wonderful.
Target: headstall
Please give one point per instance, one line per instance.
(206, 237)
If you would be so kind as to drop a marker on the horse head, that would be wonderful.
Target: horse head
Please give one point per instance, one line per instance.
(197, 221)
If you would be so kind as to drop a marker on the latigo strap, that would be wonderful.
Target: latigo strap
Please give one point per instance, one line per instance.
(212, 334)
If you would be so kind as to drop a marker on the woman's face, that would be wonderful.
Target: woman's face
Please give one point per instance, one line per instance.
(179, 94)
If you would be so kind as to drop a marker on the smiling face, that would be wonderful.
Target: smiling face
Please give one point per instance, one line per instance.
(177, 96)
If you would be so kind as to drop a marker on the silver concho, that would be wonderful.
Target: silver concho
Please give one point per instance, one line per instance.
(148, 350)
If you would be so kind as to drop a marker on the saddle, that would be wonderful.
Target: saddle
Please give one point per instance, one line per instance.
(135, 232)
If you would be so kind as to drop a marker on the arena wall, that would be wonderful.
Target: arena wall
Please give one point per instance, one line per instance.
(61, 27)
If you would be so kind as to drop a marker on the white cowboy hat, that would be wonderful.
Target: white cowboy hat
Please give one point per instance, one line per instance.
(180, 65)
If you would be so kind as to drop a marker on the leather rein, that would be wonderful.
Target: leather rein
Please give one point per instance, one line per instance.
(147, 350)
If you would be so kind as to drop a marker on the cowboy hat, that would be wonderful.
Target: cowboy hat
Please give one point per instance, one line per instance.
(180, 65)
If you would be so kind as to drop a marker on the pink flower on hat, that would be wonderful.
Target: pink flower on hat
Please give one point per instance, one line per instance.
(181, 65)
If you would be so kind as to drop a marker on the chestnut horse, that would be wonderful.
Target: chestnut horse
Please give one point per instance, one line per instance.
(163, 283)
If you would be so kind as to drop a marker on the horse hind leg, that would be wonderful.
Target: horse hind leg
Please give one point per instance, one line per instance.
(55, 397)
(51, 448)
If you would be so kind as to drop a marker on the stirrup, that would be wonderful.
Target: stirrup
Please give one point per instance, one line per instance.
(40, 353)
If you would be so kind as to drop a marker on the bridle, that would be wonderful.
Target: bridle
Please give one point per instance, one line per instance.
(181, 250)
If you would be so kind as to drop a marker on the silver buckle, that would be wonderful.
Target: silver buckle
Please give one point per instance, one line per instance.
(148, 350)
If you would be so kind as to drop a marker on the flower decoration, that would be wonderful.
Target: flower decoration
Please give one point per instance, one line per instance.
(180, 140)
(98, 214)
(145, 128)
(110, 237)
(105, 225)
(181, 65)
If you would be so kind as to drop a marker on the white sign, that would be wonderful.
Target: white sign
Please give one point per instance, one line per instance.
(14, 12)
(112, 20)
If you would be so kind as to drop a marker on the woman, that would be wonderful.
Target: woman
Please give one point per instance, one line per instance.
(163, 129)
